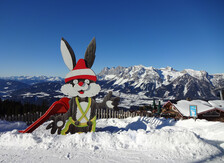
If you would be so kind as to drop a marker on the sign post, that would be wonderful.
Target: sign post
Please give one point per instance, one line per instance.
(193, 111)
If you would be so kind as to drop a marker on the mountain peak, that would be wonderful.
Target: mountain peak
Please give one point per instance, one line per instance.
(168, 68)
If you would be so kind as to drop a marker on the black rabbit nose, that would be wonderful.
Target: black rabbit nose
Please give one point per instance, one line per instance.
(80, 83)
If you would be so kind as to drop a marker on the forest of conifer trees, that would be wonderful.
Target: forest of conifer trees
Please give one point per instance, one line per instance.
(9, 108)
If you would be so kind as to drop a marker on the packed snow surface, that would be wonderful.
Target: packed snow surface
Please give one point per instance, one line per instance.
(137, 139)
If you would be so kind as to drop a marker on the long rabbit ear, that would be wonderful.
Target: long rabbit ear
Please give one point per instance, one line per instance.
(68, 54)
(90, 53)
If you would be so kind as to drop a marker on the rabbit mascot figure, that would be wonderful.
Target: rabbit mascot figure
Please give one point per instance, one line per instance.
(80, 85)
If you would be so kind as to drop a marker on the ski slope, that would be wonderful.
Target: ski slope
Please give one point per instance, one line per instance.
(137, 139)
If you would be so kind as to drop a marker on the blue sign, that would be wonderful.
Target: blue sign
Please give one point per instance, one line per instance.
(193, 110)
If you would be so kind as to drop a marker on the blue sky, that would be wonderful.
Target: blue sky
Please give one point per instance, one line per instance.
(159, 33)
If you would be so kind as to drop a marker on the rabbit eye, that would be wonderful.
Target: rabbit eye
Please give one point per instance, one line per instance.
(75, 81)
(87, 81)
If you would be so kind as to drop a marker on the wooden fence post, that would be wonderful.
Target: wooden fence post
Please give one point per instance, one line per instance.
(109, 113)
(128, 114)
(101, 114)
(9, 118)
(112, 113)
(98, 113)
(13, 117)
(104, 113)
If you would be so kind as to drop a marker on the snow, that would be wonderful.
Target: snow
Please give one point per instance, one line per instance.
(9, 83)
(35, 79)
(108, 77)
(139, 83)
(137, 139)
(59, 96)
(219, 104)
(166, 93)
(133, 99)
(183, 106)
(169, 75)
(120, 81)
(195, 73)
(39, 94)
(202, 106)
(7, 126)
(165, 76)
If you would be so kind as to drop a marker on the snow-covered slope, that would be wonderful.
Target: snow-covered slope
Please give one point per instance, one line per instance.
(119, 140)
(32, 89)
(9, 86)
(50, 91)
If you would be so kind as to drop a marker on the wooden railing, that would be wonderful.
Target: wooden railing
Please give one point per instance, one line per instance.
(110, 113)
(29, 118)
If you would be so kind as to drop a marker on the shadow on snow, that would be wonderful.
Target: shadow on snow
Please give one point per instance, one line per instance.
(141, 123)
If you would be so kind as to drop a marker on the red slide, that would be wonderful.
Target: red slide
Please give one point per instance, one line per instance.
(57, 107)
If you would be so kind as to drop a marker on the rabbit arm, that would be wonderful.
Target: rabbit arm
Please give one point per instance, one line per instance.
(109, 102)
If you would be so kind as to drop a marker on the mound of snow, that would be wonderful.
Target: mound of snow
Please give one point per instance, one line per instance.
(119, 140)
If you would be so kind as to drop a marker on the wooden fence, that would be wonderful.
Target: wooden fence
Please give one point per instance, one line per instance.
(110, 113)
(29, 118)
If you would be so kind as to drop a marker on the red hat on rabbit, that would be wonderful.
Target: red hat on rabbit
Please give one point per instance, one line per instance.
(80, 71)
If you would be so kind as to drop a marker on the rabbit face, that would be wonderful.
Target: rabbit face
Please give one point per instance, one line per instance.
(80, 81)
(81, 88)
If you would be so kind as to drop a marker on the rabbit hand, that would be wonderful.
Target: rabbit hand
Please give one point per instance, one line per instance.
(111, 102)
(57, 124)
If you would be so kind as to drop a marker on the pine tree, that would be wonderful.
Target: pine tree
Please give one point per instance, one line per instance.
(154, 105)
(159, 108)
(44, 106)
(1, 111)
(25, 108)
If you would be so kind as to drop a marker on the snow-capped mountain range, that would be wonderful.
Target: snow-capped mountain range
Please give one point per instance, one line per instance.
(162, 83)
(135, 85)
